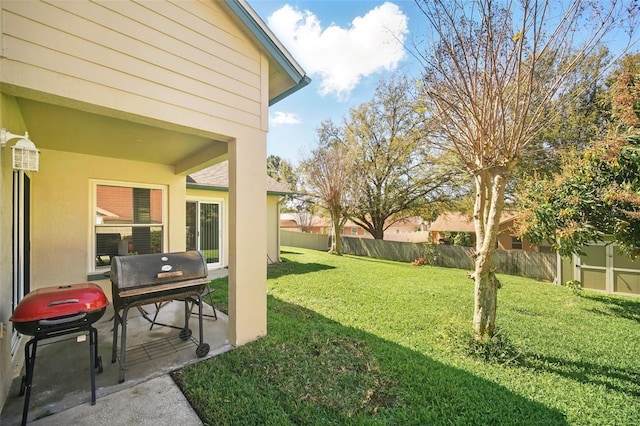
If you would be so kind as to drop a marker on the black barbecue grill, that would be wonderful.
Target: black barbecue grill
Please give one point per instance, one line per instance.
(152, 279)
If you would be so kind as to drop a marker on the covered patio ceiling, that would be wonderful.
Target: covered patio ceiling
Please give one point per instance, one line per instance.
(67, 129)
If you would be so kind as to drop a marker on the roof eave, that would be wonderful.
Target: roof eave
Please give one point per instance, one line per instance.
(302, 83)
(263, 34)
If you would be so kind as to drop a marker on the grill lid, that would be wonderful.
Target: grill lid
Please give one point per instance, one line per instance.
(64, 300)
(159, 268)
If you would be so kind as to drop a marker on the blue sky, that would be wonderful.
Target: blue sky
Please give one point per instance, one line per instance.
(346, 47)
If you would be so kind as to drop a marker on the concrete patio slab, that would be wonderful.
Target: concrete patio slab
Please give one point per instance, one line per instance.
(61, 389)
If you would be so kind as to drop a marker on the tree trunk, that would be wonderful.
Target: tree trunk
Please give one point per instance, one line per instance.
(488, 206)
(378, 233)
(335, 231)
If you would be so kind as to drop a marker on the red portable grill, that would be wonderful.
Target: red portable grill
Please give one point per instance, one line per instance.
(56, 311)
(152, 279)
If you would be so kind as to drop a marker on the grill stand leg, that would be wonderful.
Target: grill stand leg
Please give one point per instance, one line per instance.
(203, 348)
(116, 324)
(93, 349)
(187, 314)
(200, 320)
(30, 360)
(123, 342)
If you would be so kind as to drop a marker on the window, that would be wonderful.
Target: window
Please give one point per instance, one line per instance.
(354, 230)
(128, 220)
(516, 243)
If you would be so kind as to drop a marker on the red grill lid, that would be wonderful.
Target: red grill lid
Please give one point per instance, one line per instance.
(52, 302)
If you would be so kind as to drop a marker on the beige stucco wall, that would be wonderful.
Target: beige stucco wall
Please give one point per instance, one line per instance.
(62, 222)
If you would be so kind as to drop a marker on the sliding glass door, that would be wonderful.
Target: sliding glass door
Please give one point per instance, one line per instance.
(204, 230)
(21, 244)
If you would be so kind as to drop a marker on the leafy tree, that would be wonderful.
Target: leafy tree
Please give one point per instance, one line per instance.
(327, 176)
(282, 171)
(464, 239)
(577, 118)
(491, 77)
(597, 195)
(399, 172)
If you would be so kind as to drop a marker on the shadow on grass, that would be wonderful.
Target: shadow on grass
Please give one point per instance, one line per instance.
(297, 253)
(288, 267)
(621, 308)
(615, 379)
(274, 270)
(312, 370)
(379, 260)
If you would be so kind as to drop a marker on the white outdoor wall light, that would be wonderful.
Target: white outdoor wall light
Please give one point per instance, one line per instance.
(25, 155)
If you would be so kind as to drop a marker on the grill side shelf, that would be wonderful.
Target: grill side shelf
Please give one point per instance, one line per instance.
(160, 287)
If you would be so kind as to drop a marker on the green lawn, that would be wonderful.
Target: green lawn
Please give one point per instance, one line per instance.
(354, 340)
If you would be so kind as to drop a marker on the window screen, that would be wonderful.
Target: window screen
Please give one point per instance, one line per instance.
(128, 221)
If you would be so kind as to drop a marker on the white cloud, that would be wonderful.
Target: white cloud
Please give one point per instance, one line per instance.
(280, 117)
(342, 56)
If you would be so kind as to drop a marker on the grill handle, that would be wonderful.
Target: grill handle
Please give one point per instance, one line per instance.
(63, 320)
(63, 302)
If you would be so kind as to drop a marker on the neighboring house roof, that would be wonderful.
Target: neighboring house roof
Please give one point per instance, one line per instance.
(282, 65)
(412, 220)
(454, 222)
(217, 176)
(457, 222)
(315, 221)
(294, 218)
(325, 221)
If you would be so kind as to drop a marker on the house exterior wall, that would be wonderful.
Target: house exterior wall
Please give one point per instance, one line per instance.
(62, 223)
(504, 239)
(164, 61)
(184, 66)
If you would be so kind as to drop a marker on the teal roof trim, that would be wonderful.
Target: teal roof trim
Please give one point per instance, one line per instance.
(225, 189)
(305, 80)
(207, 187)
(259, 31)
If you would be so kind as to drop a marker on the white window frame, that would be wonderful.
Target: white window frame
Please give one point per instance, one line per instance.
(94, 183)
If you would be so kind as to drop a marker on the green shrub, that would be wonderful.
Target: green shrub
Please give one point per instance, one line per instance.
(574, 285)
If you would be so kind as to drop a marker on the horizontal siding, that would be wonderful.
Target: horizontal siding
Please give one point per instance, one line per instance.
(168, 53)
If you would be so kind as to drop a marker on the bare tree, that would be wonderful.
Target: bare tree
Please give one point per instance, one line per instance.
(328, 177)
(305, 210)
(490, 77)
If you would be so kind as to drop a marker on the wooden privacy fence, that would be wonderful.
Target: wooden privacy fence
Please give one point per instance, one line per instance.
(540, 266)
(304, 240)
